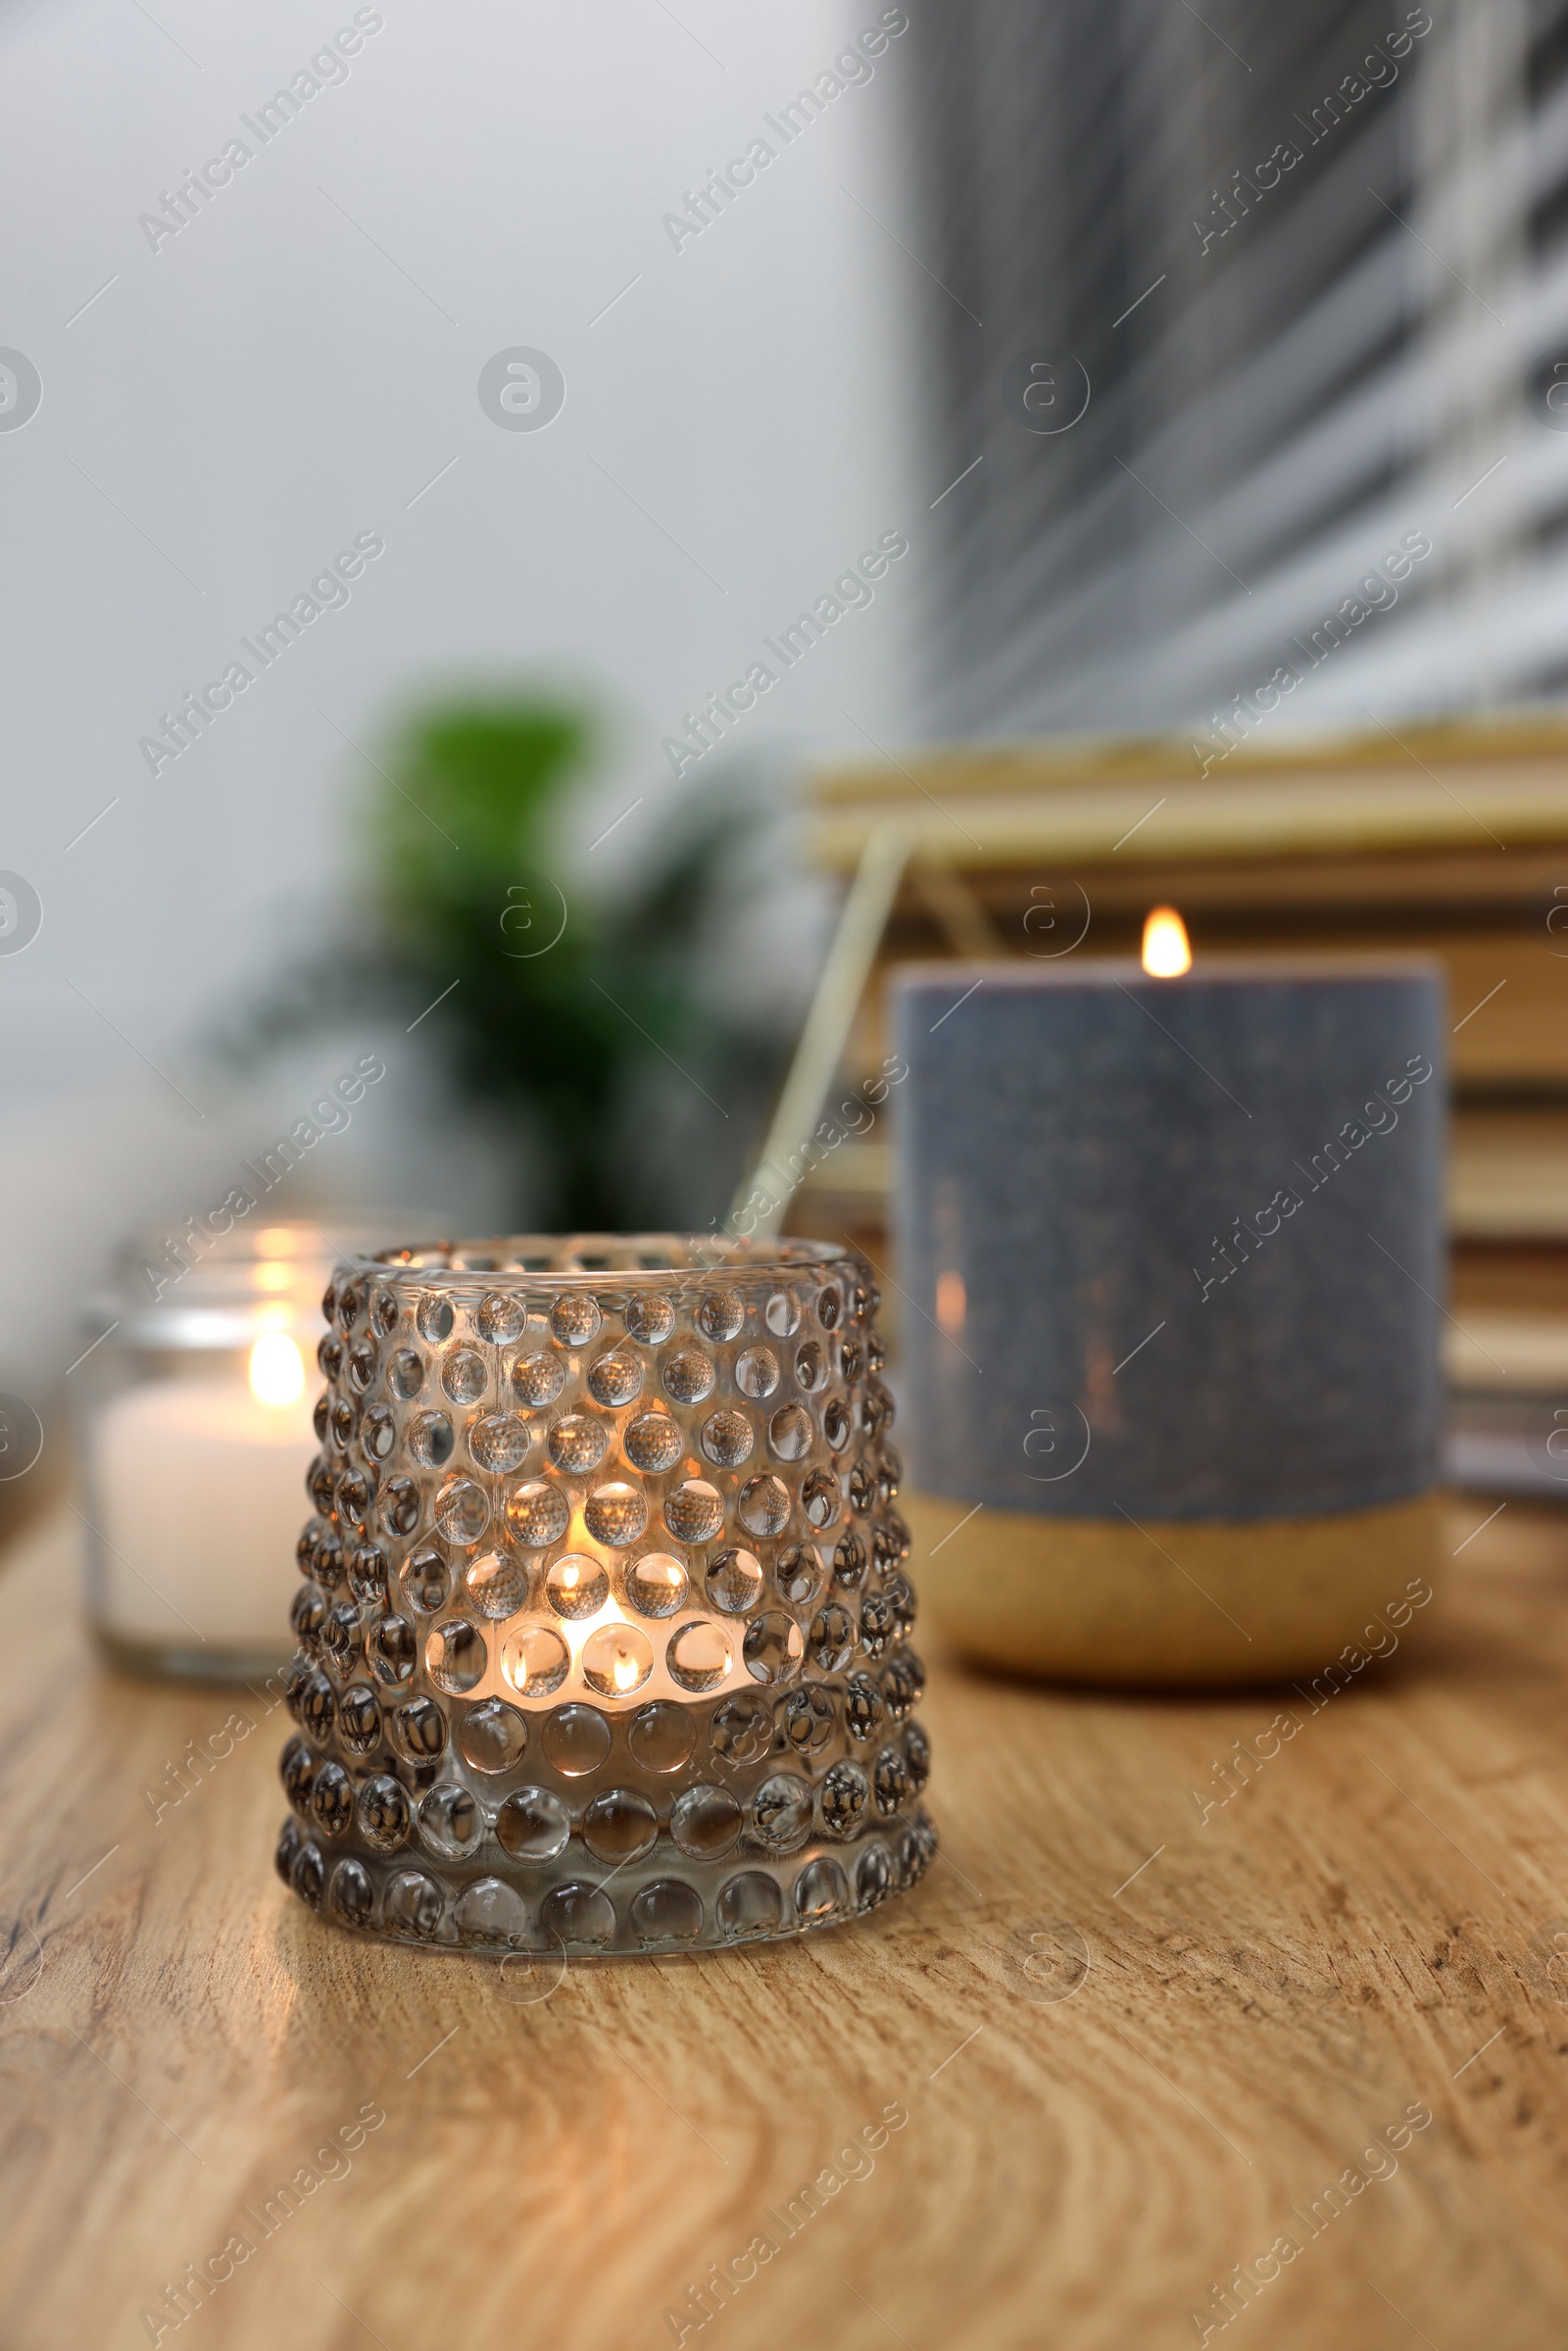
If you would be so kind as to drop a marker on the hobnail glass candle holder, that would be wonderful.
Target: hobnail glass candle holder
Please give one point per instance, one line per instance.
(604, 1631)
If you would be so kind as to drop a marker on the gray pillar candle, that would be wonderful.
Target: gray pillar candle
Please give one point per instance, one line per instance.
(1174, 1250)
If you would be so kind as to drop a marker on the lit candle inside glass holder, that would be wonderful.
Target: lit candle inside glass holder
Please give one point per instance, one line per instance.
(195, 1429)
(196, 1479)
(604, 1638)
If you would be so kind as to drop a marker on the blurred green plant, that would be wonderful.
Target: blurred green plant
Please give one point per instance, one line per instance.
(562, 1011)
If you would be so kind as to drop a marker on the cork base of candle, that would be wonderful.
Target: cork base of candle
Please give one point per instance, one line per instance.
(1170, 1600)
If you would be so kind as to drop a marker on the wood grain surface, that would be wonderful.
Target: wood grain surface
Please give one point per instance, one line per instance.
(1110, 2050)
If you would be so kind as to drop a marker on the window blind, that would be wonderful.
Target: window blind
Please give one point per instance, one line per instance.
(1306, 270)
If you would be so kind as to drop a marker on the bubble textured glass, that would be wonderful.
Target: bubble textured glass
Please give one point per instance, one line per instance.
(623, 1662)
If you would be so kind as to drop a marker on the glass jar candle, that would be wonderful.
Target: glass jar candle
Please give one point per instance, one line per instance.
(194, 1425)
(604, 1638)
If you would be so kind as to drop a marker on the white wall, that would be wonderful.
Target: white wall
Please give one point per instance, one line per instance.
(239, 403)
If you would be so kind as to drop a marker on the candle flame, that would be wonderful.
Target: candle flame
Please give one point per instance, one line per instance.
(1166, 953)
(617, 1657)
(277, 1369)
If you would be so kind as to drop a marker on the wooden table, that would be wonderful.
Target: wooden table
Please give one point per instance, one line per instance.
(1126, 2041)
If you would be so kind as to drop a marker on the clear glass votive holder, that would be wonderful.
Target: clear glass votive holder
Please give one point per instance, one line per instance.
(604, 1631)
(193, 1429)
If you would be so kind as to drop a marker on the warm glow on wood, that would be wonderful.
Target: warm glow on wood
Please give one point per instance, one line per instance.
(1166, 953)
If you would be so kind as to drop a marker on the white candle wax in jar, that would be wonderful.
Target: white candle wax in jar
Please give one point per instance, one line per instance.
(199, 1485)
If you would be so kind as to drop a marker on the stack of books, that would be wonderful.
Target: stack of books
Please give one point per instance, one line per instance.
(1448, 840)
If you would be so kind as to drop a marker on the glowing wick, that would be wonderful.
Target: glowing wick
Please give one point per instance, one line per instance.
(1166, 953)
